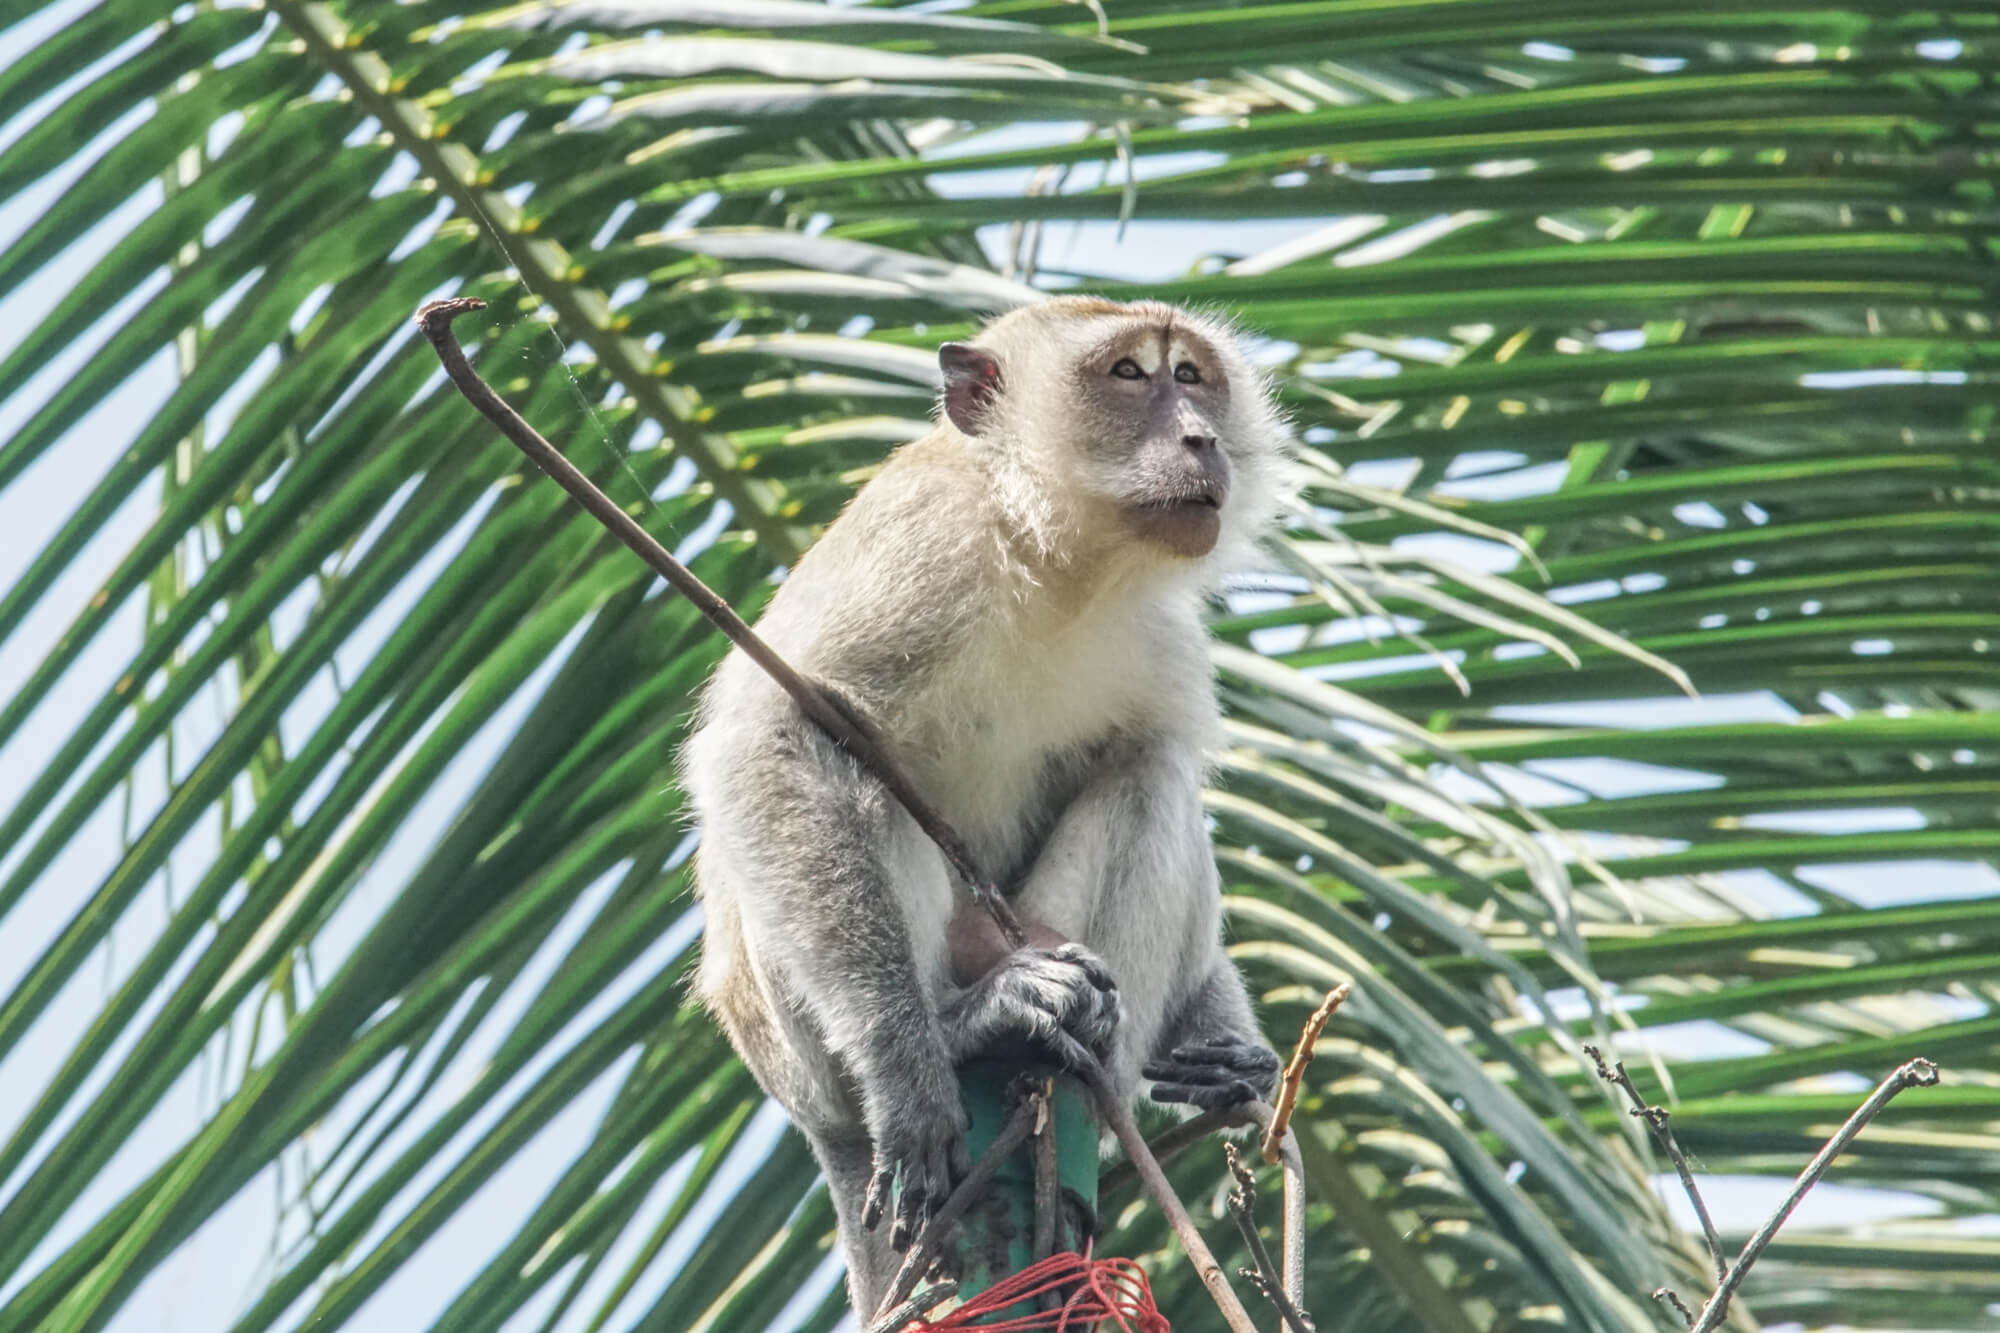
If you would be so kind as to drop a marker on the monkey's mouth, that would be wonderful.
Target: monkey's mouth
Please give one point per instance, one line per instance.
(1186, 524)
(1192, 500)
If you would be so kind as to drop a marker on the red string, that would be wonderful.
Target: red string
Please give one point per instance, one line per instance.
(1109, 1293)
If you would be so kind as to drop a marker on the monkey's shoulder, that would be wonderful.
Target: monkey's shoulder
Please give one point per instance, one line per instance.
(896, 574)
(931, 492)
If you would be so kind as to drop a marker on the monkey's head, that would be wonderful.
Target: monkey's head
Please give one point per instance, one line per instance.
(1145, 420)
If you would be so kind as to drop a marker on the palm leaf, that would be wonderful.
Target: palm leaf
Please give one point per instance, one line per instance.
(339, 838)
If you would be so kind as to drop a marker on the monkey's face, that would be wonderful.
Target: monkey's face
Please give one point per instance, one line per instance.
(1138, 421)
(1156, 400)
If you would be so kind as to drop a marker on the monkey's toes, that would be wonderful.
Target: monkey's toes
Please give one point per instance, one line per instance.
(920, 1156)
(1225, 1071)
(918, 1186)
(1253, 1060)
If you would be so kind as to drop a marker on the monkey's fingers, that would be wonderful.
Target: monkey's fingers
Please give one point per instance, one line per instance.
(1091, 965)
(913, 1211)
(1095, 1022)
(1072, 1053)
(1111, 1005)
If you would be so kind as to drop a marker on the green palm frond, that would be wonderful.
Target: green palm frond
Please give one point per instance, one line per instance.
(1630, 348)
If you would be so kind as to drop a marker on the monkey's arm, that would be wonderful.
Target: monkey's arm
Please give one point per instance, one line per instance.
(1128, 872)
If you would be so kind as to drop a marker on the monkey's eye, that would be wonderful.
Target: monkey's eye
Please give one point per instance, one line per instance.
(1186, 373)
(1125, 368)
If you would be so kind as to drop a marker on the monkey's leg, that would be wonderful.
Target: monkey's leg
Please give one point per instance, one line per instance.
(1127, 871)
(849, 1163)
(844, 906)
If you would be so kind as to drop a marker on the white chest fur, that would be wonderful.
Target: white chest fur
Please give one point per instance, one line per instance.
(1031, 690)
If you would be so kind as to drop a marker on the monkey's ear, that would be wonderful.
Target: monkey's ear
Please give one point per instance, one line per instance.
(971, 382)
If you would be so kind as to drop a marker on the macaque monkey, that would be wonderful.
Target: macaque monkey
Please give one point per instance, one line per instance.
(1012, 607)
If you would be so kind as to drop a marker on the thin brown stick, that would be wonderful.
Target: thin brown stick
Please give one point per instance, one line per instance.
(1112, 1111)
(1295, 1070)
(1656, 1119)
(1048, 1184)
(1918, 1073)
(1668, 1296)
(897, 1319)
(925, 1251)
(1242, 1203)
(812, 698)
(1176, 1139)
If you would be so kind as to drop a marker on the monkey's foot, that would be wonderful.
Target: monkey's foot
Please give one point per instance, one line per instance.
(920, 1156)
(1049, 998)
(1224, 1071)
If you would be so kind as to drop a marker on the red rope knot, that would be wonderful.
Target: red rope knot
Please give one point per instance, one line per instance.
(1101, 1294)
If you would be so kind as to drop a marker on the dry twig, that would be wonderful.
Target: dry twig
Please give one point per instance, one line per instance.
(1295, 1070)
(1048, 1183)
(1663, 1134)
(1918, 1073)
(895, 1320)
(1242, 1203)
(1668, 1296)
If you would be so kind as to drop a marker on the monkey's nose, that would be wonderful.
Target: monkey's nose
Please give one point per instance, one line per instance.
(1198, 442)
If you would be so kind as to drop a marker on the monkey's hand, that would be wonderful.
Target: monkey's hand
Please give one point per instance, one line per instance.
(1048, 999)
(1220, 1071)
(920, 1154)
